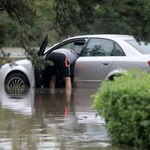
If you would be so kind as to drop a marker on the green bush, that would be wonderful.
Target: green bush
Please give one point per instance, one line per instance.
(125, 105)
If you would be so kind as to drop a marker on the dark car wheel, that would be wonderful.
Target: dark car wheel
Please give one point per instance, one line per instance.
(17, 81)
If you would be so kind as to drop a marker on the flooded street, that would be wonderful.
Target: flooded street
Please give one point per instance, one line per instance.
(37, 119)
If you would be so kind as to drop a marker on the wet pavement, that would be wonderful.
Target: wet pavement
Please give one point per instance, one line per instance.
(36, 119)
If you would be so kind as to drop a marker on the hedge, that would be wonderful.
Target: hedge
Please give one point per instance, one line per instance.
(125, 105)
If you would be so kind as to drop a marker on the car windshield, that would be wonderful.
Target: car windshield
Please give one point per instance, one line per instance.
(142, 47)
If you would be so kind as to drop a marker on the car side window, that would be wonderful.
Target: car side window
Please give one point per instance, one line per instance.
(75, 45)
(98, 47)
(101, 47)
(117, 51)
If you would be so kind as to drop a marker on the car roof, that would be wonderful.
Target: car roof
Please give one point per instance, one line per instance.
(109, 36)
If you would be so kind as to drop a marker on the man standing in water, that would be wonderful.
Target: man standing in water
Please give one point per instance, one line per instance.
(62, 59)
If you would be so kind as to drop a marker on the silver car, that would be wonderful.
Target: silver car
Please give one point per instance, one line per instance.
(101, 57)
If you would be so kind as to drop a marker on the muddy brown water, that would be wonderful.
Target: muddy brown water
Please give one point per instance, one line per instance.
(37, 119)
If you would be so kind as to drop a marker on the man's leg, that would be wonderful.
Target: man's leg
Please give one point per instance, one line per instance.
(68, 88)
(68, 83)
(52, 83)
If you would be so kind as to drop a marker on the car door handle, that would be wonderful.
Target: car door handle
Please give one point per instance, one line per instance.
(105, 64)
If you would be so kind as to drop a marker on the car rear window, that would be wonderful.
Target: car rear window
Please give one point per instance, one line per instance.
(142, 47)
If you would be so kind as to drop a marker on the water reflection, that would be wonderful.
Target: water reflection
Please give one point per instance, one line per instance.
(17, 101)
(39, 120)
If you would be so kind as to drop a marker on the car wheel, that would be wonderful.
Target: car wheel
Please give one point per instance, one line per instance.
(17, 81)
(114, 76)
(14, 92)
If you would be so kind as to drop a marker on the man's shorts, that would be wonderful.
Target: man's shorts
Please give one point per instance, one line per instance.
(61, 65)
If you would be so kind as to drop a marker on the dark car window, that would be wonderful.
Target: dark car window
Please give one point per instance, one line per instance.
(117, 51)
(102, 47)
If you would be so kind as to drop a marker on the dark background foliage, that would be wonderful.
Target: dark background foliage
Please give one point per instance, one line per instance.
(29, 21)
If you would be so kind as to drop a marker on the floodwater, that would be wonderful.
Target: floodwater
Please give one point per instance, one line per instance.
(37, 119)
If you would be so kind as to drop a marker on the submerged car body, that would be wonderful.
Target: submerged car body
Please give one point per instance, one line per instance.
(101, 57)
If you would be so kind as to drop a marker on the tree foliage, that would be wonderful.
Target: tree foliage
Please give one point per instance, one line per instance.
(32, 20)
(131, 16)
(19, 11)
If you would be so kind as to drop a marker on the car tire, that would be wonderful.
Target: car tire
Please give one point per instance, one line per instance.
(114, 76)
(17, 81)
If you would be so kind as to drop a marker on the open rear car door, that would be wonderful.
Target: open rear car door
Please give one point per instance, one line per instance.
(43, 46)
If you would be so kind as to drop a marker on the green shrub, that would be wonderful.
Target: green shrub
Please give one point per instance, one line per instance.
(125, 105)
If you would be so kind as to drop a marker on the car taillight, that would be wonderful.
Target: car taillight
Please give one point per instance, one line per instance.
(148, 62)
